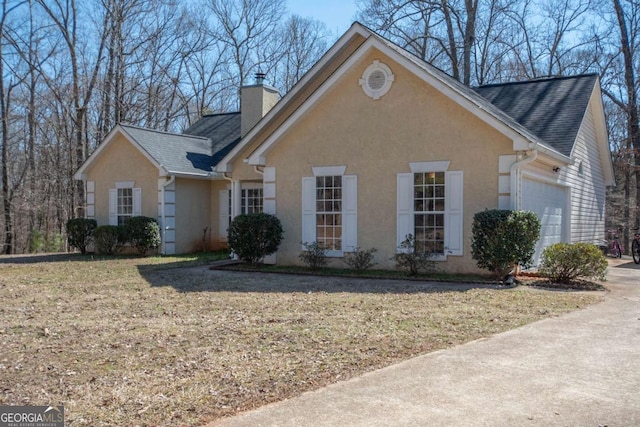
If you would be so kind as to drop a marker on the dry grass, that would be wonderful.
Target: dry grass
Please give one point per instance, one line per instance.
(133, 342)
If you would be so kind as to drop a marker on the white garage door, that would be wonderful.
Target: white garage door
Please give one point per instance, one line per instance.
(548, 202)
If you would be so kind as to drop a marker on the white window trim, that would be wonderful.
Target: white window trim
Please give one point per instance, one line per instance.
(424, 167)
(125, 184)
(329, 170)
(349, 208)
(113, 201)
(454, 207)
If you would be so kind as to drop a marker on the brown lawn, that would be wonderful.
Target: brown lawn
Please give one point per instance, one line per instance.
(137, 341)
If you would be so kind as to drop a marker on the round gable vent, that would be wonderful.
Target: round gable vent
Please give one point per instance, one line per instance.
(376, 79)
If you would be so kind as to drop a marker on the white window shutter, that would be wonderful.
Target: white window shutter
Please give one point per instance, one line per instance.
(349, 213)
(224, 214)
(404, 206)
(113, 206)
(308, 210)
(454, 219)
(137, 201)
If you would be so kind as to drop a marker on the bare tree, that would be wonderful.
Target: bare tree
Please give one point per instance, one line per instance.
(64, 16)
(305, 41)
(246, 27)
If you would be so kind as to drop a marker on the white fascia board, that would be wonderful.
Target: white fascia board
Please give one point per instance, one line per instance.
(355, 29)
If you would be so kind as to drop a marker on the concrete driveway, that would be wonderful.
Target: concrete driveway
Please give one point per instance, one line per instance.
(581, 369)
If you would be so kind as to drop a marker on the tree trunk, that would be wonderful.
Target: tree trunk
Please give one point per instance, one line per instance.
(633, 125)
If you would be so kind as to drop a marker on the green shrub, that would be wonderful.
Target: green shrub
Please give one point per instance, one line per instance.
(253, 236)
(79, 232)
(504, 239)
(109, 239)
(54, 242)
(314, 255)
(36, 242)
(360, 259)
(143, 233)
(412, 260)
(565, 262)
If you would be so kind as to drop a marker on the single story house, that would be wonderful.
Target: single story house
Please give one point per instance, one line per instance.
(371, 145)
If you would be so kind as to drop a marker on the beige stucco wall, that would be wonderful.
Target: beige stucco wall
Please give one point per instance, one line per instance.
(216, 187)
(193, 214)
(121, 161)
(376, 139)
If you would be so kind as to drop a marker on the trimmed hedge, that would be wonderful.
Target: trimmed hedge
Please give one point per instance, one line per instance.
(109, 239)
(143, 233)
(566, 262)
(504, 239)
(79, 233)
(253, 236)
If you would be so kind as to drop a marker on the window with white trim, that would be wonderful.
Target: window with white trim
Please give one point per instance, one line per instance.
(125, 201)
(430, 207)
(125, 204)
(429, 211)
(251, 200)
(329, 210)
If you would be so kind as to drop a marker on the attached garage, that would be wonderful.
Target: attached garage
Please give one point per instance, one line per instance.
(549, 202)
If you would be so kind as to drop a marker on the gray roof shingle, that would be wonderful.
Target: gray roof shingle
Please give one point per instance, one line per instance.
(222, 129)
(197, 150)
(551, 108)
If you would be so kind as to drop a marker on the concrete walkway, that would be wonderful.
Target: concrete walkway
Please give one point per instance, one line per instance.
(581, 369)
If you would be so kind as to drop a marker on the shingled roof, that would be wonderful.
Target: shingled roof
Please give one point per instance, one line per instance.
(551, 108)
(197, 150)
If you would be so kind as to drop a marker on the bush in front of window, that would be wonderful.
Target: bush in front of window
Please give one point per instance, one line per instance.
(253, 236)
(503, 239)
(143, 233)
(565, 262)
(79, 233)
(109, 239)
(361, 259)
(314, 255)
(413, 259)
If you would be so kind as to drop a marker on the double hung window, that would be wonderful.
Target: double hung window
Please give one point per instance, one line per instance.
(329, 210)
(429, 211)
(430, 208)
(125, 201)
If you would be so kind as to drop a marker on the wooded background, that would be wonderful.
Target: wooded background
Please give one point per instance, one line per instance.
(73, 69)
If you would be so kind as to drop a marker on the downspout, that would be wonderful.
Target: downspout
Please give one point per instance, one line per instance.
(516, 171)
(171, 180)
(257, 169)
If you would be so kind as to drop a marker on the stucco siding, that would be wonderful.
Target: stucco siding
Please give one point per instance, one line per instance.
(586, 180)
(376, 140)
(193, 214)
(120, 162)
(217, 241)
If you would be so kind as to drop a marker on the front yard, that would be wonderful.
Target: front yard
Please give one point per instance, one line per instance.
(135, 341)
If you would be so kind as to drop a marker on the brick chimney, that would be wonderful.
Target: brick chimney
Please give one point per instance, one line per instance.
(255, 101)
